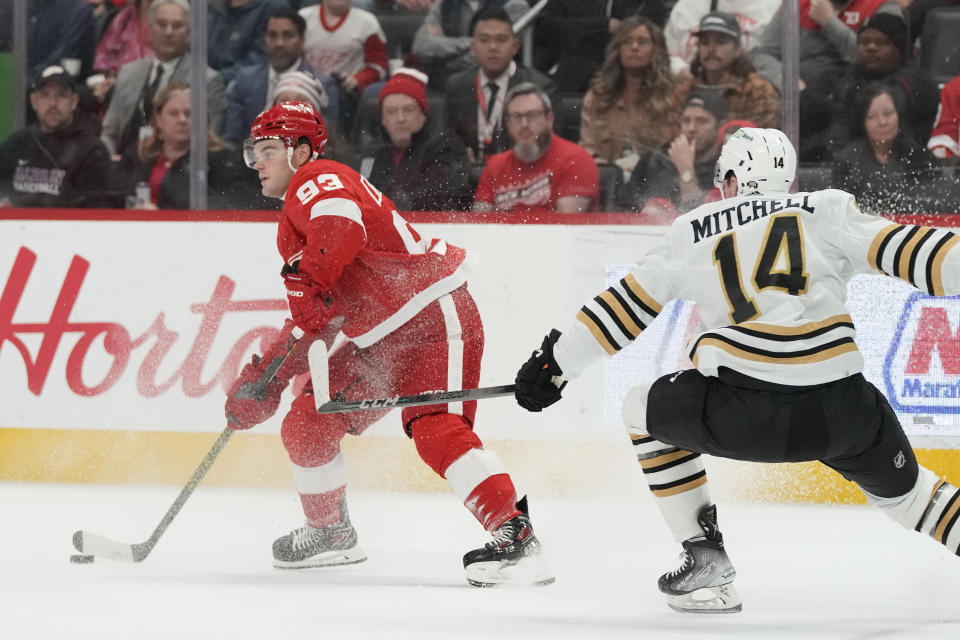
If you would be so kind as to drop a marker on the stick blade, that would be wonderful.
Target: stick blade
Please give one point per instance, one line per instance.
(92, 544)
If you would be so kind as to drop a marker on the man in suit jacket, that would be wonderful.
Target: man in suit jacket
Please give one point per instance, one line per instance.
(128, 115)
(474, 98)
(249, 92)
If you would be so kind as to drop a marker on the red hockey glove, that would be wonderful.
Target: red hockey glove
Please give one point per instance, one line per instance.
(535, 387)
(248, 403)
(310, 308)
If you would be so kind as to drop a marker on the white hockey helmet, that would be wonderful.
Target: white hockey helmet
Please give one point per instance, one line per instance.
(763, 160)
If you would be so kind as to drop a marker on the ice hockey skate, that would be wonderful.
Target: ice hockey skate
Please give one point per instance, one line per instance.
(311, 546)
(513, 558)
(703, 583)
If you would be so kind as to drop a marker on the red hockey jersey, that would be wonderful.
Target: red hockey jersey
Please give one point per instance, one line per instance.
(945, 138)
(349, 238)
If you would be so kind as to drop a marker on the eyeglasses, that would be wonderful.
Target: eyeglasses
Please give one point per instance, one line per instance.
(407, 109)
(529, 116)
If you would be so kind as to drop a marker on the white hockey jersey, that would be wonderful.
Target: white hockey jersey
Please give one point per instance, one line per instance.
(769, 276)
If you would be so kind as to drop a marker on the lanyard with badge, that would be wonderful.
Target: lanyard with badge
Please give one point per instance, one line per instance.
(487, 123)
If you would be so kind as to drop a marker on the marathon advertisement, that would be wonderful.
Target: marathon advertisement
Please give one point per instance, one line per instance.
(921, 371)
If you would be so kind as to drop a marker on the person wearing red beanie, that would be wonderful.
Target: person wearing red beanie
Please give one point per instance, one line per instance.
(422, 166)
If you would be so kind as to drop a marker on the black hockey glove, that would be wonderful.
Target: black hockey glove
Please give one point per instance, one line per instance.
(534, 384)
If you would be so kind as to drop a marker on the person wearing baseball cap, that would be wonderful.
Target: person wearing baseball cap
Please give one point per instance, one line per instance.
(421, 167)
(55, 74)
(722, 64)
(719, 22)
(695, 151)
(54, 162)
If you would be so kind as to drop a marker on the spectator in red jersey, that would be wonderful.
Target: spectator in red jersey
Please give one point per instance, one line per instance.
(945, 139)
(541, 171)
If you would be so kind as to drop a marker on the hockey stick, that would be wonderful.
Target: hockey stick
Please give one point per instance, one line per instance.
(320, 376)
(102, 547)
(434, 397)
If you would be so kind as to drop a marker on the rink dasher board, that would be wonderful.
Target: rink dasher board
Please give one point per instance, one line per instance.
(91, 378)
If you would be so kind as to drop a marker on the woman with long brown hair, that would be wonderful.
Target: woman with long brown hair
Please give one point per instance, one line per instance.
(634, 100)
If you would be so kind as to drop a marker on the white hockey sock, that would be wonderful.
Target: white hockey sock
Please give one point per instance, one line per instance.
(931, 507)
(466, 472)
(678, 481)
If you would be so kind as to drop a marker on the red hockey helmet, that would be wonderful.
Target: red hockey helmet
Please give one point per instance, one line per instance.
(289, 122)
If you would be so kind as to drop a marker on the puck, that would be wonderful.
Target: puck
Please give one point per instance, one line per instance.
(81, 559)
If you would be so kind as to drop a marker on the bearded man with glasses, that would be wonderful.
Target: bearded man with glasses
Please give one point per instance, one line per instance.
(541, 171)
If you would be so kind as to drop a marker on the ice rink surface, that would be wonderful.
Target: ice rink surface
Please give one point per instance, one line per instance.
(820, 572)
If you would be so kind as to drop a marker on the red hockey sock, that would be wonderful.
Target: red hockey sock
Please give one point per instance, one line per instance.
(493, 501)
(323, 509)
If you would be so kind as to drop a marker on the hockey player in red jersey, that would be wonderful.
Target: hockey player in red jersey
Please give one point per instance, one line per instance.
(353, 266)
(777, 373)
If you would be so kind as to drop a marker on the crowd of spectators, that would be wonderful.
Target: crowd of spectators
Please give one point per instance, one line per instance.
(624, 107)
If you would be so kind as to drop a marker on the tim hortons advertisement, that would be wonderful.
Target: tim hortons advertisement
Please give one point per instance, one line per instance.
(142, 325)
(96, 322)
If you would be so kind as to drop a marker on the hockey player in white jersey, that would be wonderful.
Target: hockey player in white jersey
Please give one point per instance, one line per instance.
(777, 374)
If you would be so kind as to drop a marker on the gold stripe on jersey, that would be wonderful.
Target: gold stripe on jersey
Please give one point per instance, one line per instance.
(618, 315)
(930, 503)
(906, 254)
(615, 305)
(935, 264)
(879, 243)
(807, 328)
(640, 295)
(592, 323)
(666, 460)
(806, 356)
(947, 519)
(680, 486)
(914, 254)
